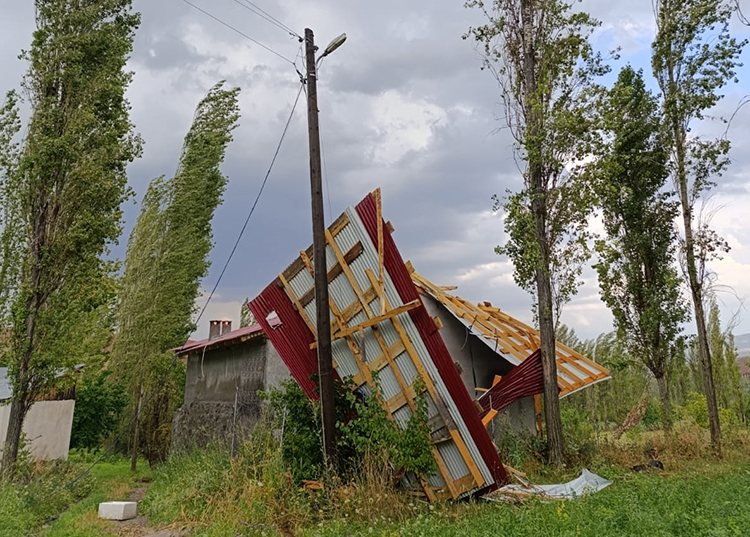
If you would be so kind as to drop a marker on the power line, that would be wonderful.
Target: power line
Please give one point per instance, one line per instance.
(256, 6)
(243, 34)
(267, 17)
(200, 315)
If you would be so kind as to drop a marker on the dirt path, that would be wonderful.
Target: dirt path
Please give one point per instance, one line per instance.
(140, 526)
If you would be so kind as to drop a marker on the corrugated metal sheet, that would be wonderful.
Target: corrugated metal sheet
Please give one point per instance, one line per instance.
(523, 381)
(466, 456)
(446, 369)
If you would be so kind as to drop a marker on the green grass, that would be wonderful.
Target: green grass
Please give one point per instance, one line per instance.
(219, 498)
(712, 501)
(39, 507)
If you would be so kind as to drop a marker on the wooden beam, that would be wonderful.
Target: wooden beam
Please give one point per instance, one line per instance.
(450, 425)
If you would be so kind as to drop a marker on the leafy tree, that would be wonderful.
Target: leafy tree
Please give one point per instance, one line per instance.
(246, 316)
(724, 356)
(540, 54)
(693, 58)
(99, 404)
(637, 277)
(62, 189)
(166, 258)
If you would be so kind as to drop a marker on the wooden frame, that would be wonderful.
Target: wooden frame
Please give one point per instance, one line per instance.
(513, 338)
(390, 317)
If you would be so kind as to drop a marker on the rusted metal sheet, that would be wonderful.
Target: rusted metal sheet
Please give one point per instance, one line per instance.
(384, 340)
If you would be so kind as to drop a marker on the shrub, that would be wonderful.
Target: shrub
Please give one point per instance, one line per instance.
(364, 430)
(696, 408)
(99, 405)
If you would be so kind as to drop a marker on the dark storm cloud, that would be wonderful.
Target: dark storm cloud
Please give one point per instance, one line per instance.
(404, 105)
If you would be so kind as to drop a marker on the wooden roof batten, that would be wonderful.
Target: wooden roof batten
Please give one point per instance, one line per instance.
(514, 339)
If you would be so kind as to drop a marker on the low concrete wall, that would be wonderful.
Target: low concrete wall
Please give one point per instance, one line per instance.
(47, 428)
(202, 423)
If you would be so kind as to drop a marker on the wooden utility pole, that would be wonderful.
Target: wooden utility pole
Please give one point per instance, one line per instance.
(325, 359)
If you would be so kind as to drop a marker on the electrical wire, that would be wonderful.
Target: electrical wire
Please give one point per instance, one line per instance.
(243, 34)
(267, 17)
(153, 394)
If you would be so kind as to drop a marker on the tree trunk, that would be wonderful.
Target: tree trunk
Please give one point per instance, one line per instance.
(13, 438)
(666, 404)
(696, 291)
(136, 430)
(552, 419)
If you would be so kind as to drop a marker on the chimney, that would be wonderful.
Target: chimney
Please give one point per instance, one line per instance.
(226, 327)
(214, 329)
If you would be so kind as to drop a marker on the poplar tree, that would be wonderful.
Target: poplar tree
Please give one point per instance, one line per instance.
(246, 316)
(693, 58)
(540, 54)
(637, 275)
(62, 188)
(167, 257)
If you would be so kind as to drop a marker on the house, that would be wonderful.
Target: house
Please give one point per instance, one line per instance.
(398, 334)
(48, 424)
(486, 343)
(224, 374)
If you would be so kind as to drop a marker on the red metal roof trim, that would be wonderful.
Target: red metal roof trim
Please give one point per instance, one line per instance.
(290, 337)
(396, 268)
(254, 330)
(524, 380)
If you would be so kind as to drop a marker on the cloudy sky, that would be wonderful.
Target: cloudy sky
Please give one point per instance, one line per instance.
(404, 106)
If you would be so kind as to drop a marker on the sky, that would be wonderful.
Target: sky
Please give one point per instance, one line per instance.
(404, 106)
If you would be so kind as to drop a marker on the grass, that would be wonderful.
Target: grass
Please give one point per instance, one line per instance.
(705, 501)
(213, 495)
(33, 506)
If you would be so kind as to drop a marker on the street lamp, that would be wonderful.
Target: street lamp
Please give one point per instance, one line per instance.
(333, 45)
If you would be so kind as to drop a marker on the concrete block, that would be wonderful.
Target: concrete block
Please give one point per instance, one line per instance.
(118, 510)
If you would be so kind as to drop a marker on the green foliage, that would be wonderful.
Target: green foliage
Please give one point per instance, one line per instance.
(548, 113)
(99, 403)
(652, 416)
(636, 270)
(62, 189)
(167, 257)
(694, 57)
(246, 316)
(364, 432)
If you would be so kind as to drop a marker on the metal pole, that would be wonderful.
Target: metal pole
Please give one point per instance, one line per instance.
(325, 361)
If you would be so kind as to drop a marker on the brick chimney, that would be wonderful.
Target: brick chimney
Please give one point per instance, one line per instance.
(226, 327)
(214, 329)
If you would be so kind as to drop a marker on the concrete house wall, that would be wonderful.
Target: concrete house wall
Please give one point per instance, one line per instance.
(479, 364)
(212, 380)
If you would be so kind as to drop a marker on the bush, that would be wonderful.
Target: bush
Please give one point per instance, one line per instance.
(364, 430)
(579, 434)
(652, 417)
(696, 409)
(99, 406)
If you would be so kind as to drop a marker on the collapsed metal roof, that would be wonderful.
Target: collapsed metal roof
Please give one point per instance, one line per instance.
(511, 339)
(381, 329)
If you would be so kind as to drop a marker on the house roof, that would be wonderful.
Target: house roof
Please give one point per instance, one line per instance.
(379, 325)
(6, 389)
(512, 339)
(230, 338)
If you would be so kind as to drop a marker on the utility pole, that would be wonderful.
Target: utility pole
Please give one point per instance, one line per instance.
(325, 359)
